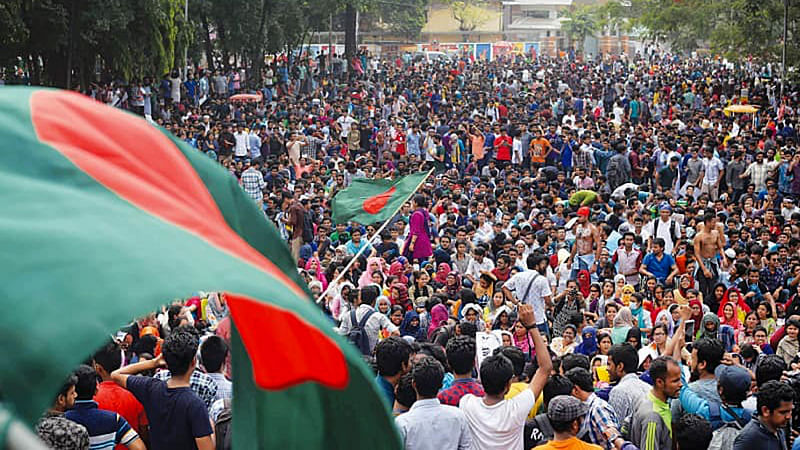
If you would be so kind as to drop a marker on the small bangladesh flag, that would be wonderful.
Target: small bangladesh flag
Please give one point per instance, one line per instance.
(105, 218)
(370, 201)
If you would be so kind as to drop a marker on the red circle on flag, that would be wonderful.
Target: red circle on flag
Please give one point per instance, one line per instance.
(374, 204)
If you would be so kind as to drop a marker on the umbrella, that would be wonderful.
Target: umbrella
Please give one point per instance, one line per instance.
(246, 98)
(740, 109)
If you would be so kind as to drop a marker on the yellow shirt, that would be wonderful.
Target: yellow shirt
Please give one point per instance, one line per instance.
(518, 388)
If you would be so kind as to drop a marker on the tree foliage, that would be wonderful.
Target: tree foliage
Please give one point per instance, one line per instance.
(580, 22)
(468, 13)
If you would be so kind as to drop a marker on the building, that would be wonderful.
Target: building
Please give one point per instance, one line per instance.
(536, 21)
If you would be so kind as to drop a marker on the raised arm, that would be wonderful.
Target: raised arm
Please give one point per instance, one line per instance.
(120, 376)
(542, 355)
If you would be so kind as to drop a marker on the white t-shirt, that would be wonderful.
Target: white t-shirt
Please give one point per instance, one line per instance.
(241, 144)
(499, 426)
(540, 289)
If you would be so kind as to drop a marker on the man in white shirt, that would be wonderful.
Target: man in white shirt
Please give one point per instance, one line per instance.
(429, 425)
(531, 287)
(497, 423)
(240, 148)
(665, 227)
(713, 171)
(479, 263)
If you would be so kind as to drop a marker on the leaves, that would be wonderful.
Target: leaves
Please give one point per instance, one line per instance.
(468, 13)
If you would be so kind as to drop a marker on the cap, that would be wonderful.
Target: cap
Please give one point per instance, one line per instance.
(730, 253)
(584, 211)
(566, 408)
(665, 207)
(733, 379)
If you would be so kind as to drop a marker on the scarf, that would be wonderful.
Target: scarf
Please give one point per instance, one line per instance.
(406, 329)
(635, 333)
(523, 343)
(452, 290)
(588, 346)
(699, 316)
(584, 282)
(441, 273)
(741, 308)
(664, 316)
(439, 317)
(402, 295)
(397, 269)
(366, 276)
(703, 332)
(313, 263)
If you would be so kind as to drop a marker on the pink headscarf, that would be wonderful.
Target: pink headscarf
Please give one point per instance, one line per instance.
(366, 277)
(441, 273)
(439, 316)
(313, 263)
(397, 269)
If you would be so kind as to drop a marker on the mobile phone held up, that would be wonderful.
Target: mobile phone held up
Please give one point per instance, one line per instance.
(689, 331)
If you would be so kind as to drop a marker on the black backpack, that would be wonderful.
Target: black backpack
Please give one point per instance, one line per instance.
(357, 335)
(538, 431)
(673, 232)
(308, 227)
(222, 427)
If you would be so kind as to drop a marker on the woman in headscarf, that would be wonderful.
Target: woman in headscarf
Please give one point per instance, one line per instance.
(314, 265)
(452, 285)
(634, 337)
(584, 282)
(697, 311)
(711, 328)
(623, 322)
(411, 327)
(383, 305)
(659, 338)
(665, 317)
(502, 319)
(588, 345)
(399, 295)
(729, 315)
(473, 314)
(640, 315)
(340, 305)
(374, 264)
(439, 316)
(681, 293)
(441, 274)
(733, 295)
(484, 288)
(397, 269)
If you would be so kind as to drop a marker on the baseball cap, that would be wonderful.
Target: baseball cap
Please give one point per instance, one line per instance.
(733, 378)
(584, 211)
(566, 408)
(665, 207)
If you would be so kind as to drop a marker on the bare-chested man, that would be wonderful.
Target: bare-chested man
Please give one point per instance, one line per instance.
(709, 240)
(587, 243)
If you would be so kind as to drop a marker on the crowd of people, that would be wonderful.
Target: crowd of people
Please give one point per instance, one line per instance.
(603, 256)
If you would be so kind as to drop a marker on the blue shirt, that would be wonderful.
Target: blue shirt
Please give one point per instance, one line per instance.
(660, 269)
(386, 388)
(106, 428)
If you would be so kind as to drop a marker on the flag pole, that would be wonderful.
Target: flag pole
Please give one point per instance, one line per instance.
(369, 241)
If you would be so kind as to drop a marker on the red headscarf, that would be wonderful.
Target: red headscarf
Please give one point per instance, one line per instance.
(584, 282)
(441, 273)
(697, 317)
(397, 269)
(439, 316)
(740, 301)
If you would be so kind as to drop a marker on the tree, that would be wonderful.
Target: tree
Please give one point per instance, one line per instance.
(407, 18)
(468, 13)
(580, 23)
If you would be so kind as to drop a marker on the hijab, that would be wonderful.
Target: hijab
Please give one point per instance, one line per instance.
(397, 269)
(703, 332)
(636, 334)
(452, 290)
(670, 323)
(406, 329)
(622, 323)
(439, 317)
(441, 273)
(584, 282)
(366, 276)
(383, 300)
(680, 285)
(402, 297)
(313, 263)
(741, 307)
(699, 316)
(588, 345)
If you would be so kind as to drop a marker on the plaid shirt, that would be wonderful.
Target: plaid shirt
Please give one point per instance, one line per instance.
(461, 387)
(772, 280)
(253, 183)
(599, 419)
(582, 158)
(203, 385)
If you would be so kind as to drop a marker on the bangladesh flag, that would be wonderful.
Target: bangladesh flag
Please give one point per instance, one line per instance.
(371, 201)
(105, 218)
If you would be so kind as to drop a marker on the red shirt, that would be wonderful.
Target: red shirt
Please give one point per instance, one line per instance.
(503, 145)
(452, 395)
(112, 397)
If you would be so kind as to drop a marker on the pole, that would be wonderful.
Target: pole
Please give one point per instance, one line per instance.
(185, 45)
(330, 43)
(369, 242)
(785, 35)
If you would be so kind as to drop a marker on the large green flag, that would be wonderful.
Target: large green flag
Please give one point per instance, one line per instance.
(371, 201)
(105, 218)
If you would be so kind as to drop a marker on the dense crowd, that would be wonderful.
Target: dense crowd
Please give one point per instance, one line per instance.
(604, 257)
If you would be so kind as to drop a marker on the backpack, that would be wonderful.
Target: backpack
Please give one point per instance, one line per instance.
(673, 231)
(222, 428)
(357, 335)
(308, 227)
(614, 172)
(538, 431)
(725, 432)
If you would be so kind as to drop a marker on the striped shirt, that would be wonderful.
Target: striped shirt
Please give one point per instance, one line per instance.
(106, 428)
(651, 424)
(599, 420)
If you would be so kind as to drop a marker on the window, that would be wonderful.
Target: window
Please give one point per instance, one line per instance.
(536, 13)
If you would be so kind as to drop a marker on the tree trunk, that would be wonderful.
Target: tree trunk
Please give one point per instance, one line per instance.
(257, 54)
(207, 39)
(350, 35)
